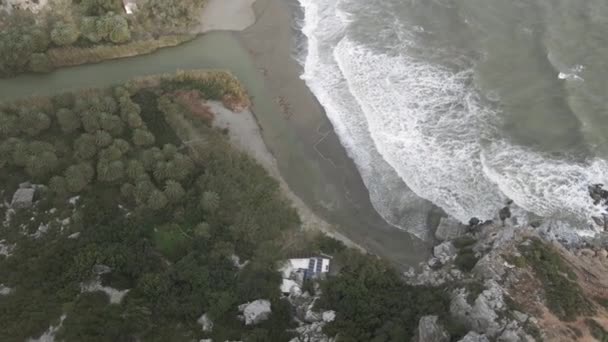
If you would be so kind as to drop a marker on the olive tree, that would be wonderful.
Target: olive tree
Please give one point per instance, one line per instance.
(143, 137)
(79, 176)
(58, 185)
(157, 200)
(85, 146)
(64, 33)
(135, 169)
(9, 125)
(174, 191)
(68, 120)
(33, 123)
(39, 62)
(102, 138)
(210, 201)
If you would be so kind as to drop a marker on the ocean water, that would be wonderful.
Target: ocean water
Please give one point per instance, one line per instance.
(466, 103)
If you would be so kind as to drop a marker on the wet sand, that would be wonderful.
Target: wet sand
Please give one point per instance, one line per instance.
(317, 168)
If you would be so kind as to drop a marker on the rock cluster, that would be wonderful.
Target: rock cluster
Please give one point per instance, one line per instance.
(256, 311)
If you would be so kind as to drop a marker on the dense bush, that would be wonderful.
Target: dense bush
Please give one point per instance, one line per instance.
(373, 302)
(166, 223)
(87, 30)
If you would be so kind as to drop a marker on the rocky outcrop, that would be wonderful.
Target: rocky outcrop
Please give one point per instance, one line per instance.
(311, 333)
(206, 322)
(449, 229)
(23, 198)
(445, 252)
(429, 330)
(329, 316)
(256, 311)
(482, 315)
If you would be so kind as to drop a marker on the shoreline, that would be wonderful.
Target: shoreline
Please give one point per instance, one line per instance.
(244, 134)
(332, 187)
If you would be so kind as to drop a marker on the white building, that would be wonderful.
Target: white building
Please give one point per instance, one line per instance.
(312, 266)
(130, 6)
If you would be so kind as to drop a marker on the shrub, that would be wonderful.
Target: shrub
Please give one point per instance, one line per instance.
(466, 260)
(64, 33)
(68, 120)
(39, 62)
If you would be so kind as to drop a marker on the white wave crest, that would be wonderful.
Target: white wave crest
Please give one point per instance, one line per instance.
(545, 186)
(405, 120)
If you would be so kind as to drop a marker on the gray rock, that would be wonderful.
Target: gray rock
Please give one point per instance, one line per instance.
(514, 333)
(206, 322)
(100, 269)
(449, 229)
(520, 316)
(429, 330)
(434, 263)
(23, 198)
(445, 252)
(329, 316)
(490, 266)
(256, 311)
(482, 316)
(5, 290)
(312, 333)
(474, 337)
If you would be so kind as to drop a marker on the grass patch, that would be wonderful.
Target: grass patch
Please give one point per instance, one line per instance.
(171, 241)
(474, 289)
(70, 56)
(154, 118)
(564, 296)
(518, 261)
(463, 242)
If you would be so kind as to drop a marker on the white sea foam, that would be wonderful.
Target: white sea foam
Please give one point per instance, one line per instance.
(388, 193)
(543, 185)
(407, 120)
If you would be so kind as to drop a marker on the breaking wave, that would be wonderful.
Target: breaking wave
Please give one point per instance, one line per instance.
(419, 130)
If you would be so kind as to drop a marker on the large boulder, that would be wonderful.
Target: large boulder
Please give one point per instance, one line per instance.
(445, 252)
(206, 322)
(329, 316)
(256, 311)
(449, 229)
(23, 198)
(429, 330)
(290, 287)
(483, 316)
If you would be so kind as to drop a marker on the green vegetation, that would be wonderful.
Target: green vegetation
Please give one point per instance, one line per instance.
(564, 296)
(466, 259)
(373, 302)
(165, 216)
(82, 31)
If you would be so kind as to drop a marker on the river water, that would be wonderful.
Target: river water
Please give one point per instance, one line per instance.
(468, 102)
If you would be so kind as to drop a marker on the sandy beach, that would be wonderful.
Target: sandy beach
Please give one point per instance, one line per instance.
(332, 186)
(226, 15)
(244, 133)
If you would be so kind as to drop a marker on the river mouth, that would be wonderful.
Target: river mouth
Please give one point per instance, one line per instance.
(309, 155)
